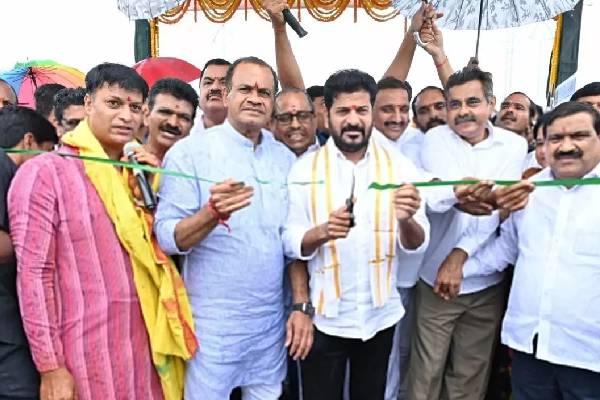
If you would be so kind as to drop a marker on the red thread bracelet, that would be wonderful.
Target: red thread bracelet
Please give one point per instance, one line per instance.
(221, 218)
(438, 66)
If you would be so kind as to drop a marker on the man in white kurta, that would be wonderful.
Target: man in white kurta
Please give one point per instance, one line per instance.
(229, 235)
(352, 269)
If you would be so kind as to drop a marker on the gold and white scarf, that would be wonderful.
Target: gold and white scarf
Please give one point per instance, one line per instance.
(326, 289)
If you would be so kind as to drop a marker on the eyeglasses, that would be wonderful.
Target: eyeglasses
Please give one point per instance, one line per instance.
(303, 117)
(70, 123)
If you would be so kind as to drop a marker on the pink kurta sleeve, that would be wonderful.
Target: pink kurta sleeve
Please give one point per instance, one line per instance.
(33, 216)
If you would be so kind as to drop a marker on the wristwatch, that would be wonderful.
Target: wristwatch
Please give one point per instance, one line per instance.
(307, 308)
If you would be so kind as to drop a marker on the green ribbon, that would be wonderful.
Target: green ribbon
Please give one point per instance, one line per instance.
(144, 167)
(374, 185)
(551, 182)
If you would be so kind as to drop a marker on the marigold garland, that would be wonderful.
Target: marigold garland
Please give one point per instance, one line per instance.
(322, 10)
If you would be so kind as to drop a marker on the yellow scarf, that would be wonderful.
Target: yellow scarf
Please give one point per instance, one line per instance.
(164, 302)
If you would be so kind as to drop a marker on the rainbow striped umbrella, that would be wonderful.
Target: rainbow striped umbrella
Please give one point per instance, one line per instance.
(26, 77)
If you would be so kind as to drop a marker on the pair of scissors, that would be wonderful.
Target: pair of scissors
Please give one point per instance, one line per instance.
(350, 202)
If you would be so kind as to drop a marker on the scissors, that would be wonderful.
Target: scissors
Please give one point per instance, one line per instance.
(350, 202)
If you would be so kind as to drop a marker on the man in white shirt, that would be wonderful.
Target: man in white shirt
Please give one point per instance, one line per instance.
(552, 321)
(350, 236)
(516, 114)
(429, 108)
(211, 95)
(453, 340)
(391, 119)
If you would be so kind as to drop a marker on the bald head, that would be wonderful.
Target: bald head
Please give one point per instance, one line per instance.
(7, 94)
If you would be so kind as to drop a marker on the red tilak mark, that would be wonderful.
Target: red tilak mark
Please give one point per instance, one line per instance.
(129, 99)
(354, 107)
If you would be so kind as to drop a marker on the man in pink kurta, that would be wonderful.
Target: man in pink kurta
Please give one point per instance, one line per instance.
(79, 304)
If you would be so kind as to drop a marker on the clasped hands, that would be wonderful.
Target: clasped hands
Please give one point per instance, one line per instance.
(480, 198)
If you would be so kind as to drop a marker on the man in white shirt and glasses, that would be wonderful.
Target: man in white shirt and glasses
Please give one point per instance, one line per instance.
(454, 339)
(552, 322)
(351, 236)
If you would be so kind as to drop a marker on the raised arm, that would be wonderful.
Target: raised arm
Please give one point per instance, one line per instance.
(432, 35)
(402, 61)
(288, 69)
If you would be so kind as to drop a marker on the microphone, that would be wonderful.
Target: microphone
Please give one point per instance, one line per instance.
(293, 23)
(147, 194)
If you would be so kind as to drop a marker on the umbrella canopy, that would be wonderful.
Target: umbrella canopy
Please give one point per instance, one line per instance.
(155, 68)
(25, 78)
(146, 9)
(495, 14)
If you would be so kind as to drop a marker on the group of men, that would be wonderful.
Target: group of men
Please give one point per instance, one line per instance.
(315, 241)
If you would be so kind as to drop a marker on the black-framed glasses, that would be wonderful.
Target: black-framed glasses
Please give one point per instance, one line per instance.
(303, 117)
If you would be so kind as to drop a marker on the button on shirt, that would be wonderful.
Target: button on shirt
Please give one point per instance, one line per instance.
(555, 294)
(357, 316)
(447, 156)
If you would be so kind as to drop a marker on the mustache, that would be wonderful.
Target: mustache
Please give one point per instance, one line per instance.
(464, 118)
(171, 129)
(353, 128)
(433, 122)
(213, 92)
(394, 123)
(565, 155)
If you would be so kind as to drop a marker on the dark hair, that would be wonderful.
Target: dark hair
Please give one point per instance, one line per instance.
(532, 105)
(569, 108)
(472, 74)
(389, 82)
(591, 89)
(413, 105)
(65, 98)
(44, 97)
(539, 111)
(294, 90)
(12, 89)
(16, 121)
(115, 74)
(176, 88)
(215, 61)
(314, 92)
(348, 81)
(538, 124)
(250, 60)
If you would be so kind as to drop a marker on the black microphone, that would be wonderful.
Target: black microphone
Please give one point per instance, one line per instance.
(147, 194)
(293, 23)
